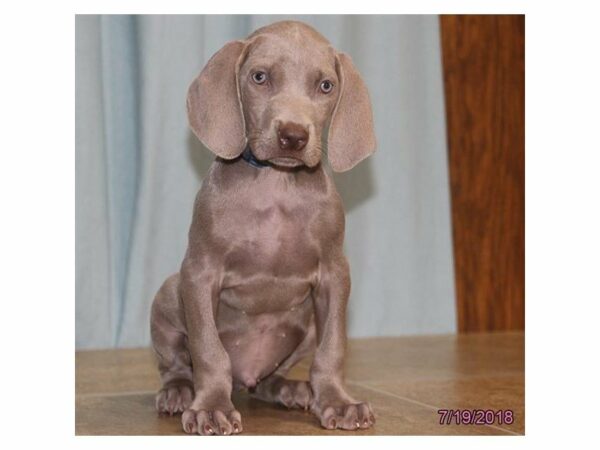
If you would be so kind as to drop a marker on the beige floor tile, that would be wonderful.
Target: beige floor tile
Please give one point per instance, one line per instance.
(405, 380)
(113, 371)
(435, 357)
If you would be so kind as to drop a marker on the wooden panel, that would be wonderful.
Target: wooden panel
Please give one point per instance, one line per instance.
(484, 71)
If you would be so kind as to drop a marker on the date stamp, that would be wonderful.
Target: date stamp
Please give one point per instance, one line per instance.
(476, 416)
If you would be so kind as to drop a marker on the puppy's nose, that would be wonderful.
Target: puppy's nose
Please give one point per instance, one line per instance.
(292, 136)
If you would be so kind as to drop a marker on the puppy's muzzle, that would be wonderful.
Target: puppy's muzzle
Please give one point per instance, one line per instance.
(292, 136)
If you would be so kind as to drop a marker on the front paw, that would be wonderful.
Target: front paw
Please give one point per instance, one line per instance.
(217, 420)
(345, 416)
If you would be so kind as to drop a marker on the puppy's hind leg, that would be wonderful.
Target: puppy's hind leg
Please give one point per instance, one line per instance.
(169, 339)
(290, 393)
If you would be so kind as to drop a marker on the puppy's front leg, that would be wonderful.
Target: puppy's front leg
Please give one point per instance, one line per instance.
(212, 411)
(334, 407)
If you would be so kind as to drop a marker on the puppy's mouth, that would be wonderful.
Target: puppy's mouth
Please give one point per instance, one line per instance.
(286, 162)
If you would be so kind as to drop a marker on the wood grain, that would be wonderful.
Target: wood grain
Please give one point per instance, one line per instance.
(484, 77)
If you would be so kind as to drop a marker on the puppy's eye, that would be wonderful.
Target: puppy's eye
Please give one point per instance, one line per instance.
(259, 77)
(326, 86)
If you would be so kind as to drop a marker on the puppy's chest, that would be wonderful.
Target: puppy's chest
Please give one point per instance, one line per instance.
(277, 240)
(270, 236)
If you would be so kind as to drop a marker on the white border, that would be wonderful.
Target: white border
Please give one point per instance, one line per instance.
(37, 198)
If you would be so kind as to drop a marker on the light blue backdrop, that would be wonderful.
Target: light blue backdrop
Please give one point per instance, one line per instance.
(138, 168)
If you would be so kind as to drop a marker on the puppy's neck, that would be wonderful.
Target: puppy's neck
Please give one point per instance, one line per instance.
(237, 177)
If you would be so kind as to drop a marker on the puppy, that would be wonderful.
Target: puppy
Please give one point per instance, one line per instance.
(264, 281)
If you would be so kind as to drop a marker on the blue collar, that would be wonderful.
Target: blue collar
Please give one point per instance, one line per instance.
(249, 157)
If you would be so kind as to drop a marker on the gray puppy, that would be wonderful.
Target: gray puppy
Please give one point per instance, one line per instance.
(264, 281)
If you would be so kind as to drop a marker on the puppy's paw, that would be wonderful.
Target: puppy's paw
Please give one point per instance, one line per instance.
(295, 394)
(289, 393)
(349, 416)
(211, 421)
(174, 399)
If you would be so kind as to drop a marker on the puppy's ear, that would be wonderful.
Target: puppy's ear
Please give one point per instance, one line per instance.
(351, 135)
(213, 104)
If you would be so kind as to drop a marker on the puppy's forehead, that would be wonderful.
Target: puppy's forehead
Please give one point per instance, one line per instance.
(292, 41)
(291, 30)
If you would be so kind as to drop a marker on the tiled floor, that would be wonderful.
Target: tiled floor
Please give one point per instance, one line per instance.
(406, 380)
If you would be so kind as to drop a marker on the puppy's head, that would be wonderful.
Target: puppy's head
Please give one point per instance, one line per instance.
(276, 92)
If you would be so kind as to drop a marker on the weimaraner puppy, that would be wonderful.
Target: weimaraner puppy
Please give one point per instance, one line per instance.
(264, 281)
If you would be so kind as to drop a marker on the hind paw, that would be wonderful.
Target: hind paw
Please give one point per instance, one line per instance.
(295, 394)
(289, 393)
(175, 398)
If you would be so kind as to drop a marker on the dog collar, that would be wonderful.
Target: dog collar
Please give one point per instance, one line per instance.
(249, 157)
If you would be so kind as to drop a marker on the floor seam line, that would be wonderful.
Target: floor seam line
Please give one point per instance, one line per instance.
(424, 379)
(114, 394)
